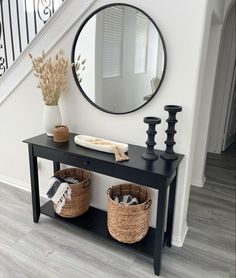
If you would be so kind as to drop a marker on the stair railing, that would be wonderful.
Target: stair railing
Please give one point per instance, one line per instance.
(20, 21)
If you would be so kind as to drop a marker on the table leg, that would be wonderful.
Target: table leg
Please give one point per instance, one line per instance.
(171, 207)
(159, 237)
(56, 166)
(34, 184)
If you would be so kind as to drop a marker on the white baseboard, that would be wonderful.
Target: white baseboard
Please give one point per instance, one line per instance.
(178, 241)
(198, 183)
(15, 183)
(18, 184)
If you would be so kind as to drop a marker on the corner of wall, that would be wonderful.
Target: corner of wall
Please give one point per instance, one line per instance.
(198, 182)
(178, 241)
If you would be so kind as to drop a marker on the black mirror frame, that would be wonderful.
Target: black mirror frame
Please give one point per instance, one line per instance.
(73, 54)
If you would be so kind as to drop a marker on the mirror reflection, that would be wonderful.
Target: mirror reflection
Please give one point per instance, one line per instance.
(119, 59)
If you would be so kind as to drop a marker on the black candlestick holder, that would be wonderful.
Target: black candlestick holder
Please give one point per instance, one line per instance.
(149, 154)
(169, 153)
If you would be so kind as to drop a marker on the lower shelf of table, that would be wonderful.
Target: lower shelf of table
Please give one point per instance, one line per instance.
(94, 221)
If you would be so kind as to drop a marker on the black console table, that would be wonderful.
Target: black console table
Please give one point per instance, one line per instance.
(157, 174)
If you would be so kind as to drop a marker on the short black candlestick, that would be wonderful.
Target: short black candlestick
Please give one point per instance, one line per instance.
(149, 154)
(169, 153)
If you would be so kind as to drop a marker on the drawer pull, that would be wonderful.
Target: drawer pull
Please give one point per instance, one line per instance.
(86, 163)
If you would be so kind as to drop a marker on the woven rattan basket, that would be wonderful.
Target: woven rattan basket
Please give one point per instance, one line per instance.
(128, 224)
(80, 193)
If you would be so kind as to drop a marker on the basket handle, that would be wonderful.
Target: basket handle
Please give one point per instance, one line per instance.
(108, 190)
(86, 183)
(148, 204)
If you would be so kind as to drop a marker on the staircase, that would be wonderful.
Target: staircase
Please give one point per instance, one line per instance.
(20, 21)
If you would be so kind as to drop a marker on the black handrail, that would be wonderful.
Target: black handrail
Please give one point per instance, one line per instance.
(20, 21)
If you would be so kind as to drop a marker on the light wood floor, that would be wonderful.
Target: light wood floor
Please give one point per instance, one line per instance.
(50, 249)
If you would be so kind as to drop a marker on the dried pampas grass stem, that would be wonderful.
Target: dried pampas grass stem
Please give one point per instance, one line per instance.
(51, 75)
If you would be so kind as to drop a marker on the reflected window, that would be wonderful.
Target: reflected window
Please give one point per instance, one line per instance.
(141, 41)
(113, 29)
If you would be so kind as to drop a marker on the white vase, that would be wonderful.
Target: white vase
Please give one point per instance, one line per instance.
(51, 118)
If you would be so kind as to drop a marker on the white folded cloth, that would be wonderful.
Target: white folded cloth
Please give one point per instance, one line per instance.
(58, 192)
(127, 200)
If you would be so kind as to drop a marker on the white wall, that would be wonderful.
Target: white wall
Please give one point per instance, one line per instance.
(182, 24)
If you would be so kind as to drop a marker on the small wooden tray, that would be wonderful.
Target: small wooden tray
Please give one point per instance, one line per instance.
(94, 143)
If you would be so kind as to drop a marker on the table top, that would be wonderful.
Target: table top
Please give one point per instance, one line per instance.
(159, 166)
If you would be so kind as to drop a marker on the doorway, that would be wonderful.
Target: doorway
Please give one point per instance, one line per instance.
(223, 115)
(230, 125)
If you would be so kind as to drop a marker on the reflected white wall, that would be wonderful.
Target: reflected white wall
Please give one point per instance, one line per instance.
(86, 48)
(127, 92)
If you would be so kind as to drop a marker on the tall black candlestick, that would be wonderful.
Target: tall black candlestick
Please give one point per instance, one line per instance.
(169, 153)
(149, 154)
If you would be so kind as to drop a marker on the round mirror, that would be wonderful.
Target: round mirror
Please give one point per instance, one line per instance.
(119, 58)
